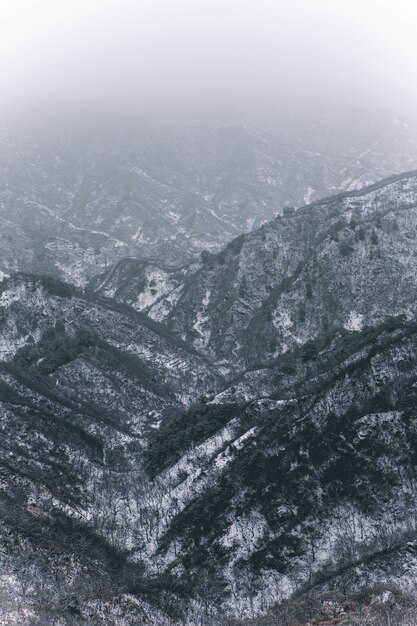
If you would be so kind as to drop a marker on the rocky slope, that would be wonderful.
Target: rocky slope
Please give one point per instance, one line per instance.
(77, 195)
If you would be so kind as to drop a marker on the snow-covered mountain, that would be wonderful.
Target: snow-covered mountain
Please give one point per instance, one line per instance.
(226, 435)
(333, 264)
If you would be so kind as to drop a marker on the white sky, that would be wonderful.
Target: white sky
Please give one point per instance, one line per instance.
(170, 51)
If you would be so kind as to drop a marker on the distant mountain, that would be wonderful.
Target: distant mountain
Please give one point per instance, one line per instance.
(235, 432)
(77, 196)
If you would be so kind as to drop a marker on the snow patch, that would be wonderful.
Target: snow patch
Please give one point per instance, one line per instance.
(200, 324)
(354, 322)
(282, 322)
(308, 194)
(157, 285)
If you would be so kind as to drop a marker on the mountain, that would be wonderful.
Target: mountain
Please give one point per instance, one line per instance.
(308, 480)
(219, 437)
(76, 194)
(341, 263)
(83, 381)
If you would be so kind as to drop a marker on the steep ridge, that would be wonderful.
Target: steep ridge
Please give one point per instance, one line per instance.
(345, 262)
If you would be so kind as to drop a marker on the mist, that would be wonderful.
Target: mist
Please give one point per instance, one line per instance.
(187, 56)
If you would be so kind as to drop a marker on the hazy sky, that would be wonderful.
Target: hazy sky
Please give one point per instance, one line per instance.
(173, 52)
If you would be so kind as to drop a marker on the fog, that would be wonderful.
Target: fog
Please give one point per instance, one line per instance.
(202, 54)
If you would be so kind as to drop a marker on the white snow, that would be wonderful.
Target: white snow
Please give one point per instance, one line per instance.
(282, 322)
(160, 309)
(157, 285)
(138, 237)
(308, 194)
(200, 324)
(73, 226)
(354, 322)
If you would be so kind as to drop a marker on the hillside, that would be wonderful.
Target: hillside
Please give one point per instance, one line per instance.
(82, 383)
(312, 319)
(341, 263)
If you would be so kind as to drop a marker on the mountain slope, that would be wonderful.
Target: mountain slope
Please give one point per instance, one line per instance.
(305, 469)
(83, 381)
(340, 263)
(321, 483)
